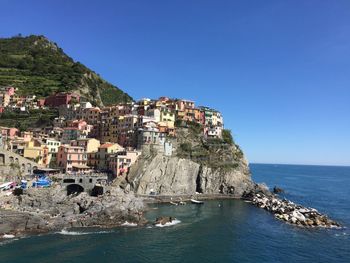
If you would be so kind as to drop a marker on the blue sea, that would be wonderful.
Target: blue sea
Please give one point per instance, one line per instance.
(218, 231)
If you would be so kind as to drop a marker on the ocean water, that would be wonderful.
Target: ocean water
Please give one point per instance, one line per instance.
(218, 231)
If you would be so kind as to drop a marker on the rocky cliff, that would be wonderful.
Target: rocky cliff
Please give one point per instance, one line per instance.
(196, 165)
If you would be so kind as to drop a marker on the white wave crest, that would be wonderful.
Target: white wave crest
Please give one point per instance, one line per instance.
(8, 236)
(172, 223)
(126, 223)
(76, 233)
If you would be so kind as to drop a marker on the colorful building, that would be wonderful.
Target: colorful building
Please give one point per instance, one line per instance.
(70, 134)
(72, 159)
(89, 144)
(101, 157)
(120, 163)
(59, 99)
(38, 152)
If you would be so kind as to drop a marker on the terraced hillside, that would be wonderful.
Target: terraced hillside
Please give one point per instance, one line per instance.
(38, 66)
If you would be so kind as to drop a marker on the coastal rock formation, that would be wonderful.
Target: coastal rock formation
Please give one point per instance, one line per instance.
(293, 213)
(164, 175)
(175, 176)
(234, 181)
(41, 210)
(197, 164)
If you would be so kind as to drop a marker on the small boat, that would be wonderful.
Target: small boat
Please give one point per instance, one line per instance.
(193, 201)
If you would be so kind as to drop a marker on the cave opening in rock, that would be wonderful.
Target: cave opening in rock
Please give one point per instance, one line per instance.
(97, 190)
(74, 189)
(198, 183)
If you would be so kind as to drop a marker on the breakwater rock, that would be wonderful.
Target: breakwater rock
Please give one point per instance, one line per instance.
(292, 213)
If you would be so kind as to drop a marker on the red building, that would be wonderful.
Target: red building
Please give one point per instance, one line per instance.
(59, 99)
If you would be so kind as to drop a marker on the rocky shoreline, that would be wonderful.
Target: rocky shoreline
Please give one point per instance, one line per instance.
(44, 210)
(292, 213)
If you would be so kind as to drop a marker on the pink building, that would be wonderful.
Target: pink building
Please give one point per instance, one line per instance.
(72, 159)
(120, 163)
(9, 132)
(184, 104)
(79, 124)
(10, 91)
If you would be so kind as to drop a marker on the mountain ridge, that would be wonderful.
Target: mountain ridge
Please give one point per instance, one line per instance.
(38, 66)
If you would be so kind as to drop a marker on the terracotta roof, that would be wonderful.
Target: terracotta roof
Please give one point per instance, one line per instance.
(106, 145)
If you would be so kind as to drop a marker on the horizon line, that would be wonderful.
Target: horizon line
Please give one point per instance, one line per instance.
(334, 165)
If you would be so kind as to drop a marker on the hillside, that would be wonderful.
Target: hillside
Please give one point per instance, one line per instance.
(35, 65)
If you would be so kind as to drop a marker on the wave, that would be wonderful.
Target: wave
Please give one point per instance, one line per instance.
(8, 236)
(76, 233)
(172, 223)
(126, 223)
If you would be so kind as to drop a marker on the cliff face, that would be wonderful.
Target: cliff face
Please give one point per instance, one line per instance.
(164, 175)
(174, 175)
(224, 171)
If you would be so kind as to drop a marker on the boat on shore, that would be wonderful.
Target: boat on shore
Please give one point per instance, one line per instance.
(193, 201)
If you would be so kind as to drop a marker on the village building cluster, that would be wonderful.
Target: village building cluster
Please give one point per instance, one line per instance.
(86, 138)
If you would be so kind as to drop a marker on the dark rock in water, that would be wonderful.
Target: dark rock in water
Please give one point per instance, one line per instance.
(278, 190)
(164, 219)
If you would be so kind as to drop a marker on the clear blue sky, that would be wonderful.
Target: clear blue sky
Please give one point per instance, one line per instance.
(278, 70)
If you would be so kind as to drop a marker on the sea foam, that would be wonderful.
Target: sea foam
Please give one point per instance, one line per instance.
(172, 223)
(126, 223)
(76, 233)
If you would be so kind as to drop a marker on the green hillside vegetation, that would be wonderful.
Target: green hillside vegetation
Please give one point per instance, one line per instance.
(37, 66)
(222, 154)
(32, 119)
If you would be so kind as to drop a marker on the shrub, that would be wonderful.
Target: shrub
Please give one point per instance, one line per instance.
(227, 136)
(186, 147)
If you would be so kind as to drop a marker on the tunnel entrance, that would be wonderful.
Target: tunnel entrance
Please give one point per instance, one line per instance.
(74, 189)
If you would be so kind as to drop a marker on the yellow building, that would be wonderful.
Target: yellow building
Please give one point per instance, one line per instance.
(89, 144)
(167, 115)
(37, 151)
